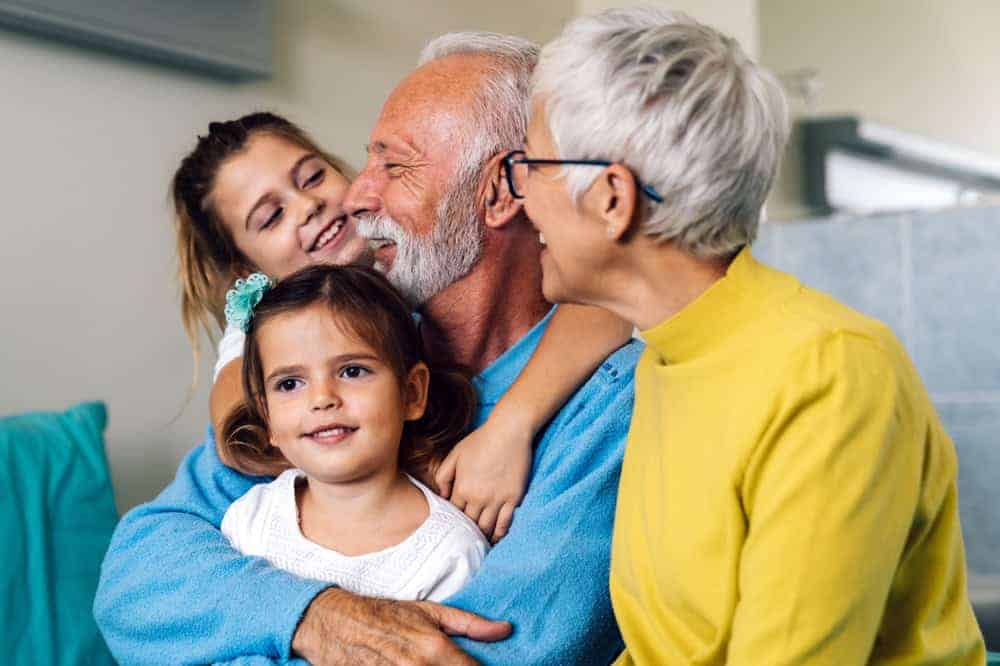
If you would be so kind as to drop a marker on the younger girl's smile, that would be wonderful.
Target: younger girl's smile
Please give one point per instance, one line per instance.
(333, 433)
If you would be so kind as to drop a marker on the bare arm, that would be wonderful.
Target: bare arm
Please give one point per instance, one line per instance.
(577, 339)
(227, 394)
(487, 472)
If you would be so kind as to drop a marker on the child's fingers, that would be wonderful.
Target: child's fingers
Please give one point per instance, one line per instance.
(445, 475)
(504, 519)
(488, 519)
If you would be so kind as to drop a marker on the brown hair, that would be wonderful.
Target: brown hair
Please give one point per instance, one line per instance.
(207, 257)
(369, 307)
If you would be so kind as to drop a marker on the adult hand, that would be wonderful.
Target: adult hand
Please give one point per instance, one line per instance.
(340, 627)
(486, 474)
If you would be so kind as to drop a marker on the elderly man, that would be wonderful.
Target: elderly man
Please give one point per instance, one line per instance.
(451, 237)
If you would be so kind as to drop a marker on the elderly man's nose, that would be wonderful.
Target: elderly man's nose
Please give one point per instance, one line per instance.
(362, 196)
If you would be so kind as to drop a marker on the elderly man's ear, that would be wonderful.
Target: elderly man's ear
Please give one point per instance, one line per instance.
(500, 205)
(613, 201)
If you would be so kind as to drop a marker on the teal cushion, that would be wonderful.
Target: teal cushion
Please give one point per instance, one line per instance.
(993, 658)
(57, 513)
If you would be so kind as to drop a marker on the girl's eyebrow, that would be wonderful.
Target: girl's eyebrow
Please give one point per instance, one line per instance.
(285, 370)
(298, 165)
(268, 195)
(342, 358)
(357, 356)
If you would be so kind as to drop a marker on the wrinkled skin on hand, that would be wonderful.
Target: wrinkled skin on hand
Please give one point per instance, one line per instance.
(340, 627)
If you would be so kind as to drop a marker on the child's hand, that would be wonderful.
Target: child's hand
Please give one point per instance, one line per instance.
(486, 474)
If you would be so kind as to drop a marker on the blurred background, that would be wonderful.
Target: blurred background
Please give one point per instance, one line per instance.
(887, 197)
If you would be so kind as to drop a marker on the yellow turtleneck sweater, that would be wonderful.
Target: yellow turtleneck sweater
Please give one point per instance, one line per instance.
(788, 494)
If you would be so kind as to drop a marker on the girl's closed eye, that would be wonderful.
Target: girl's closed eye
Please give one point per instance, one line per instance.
(315, 179)
(273, 218)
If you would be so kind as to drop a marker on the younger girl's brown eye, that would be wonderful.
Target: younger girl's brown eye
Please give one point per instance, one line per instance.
(354, 372)
(286, 385)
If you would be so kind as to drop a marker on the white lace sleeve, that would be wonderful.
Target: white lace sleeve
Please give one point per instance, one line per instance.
(230, 347)
(458, 558)
(246, 518)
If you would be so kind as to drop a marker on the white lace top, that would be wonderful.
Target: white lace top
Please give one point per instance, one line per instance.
(432, 563)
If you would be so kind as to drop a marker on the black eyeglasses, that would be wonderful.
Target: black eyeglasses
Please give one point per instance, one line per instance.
(516, 167)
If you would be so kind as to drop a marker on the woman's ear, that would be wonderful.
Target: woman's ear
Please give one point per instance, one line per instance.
(613, 200)
(499, 204)
(415, 392)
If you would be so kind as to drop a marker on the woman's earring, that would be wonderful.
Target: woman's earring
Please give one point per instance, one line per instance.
(612, 232)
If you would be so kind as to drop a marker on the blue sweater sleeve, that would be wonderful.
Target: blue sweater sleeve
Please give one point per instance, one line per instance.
(174, 591)
(549, 576)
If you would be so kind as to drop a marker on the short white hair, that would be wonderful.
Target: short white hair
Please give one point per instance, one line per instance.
(678, 103)
(500, 107)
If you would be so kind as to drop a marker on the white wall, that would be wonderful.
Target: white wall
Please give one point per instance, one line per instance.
(88, 306)
(928, 67)
(737, 18)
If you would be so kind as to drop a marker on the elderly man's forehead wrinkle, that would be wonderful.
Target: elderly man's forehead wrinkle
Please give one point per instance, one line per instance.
(435, 100)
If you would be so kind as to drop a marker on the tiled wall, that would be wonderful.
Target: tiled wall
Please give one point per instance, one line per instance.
(935, 279)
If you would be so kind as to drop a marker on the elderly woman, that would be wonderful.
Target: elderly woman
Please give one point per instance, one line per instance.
(788, 494)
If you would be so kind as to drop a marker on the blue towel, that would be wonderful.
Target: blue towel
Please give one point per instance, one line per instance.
(173, 590)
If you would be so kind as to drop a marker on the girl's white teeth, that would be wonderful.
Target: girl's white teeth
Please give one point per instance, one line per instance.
(541, 238)
(325, 237)
(332, 432)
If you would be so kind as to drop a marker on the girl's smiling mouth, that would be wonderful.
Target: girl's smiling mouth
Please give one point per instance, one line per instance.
(332, 433)
(328, 235)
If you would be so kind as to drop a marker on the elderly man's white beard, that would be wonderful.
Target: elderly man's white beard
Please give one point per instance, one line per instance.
(425, 265)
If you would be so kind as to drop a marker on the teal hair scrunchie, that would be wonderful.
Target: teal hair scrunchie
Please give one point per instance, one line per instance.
(243, 297)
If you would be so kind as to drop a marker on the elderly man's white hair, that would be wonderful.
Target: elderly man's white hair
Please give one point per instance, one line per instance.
(682, 106)
(499, 116)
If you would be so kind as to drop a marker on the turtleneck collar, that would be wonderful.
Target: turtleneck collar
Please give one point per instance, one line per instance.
(719, 311)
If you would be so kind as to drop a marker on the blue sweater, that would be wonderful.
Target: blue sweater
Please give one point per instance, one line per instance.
(174, 591)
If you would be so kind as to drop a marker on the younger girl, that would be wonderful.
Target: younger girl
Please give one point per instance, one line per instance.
(258, 194)
(340, 402)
